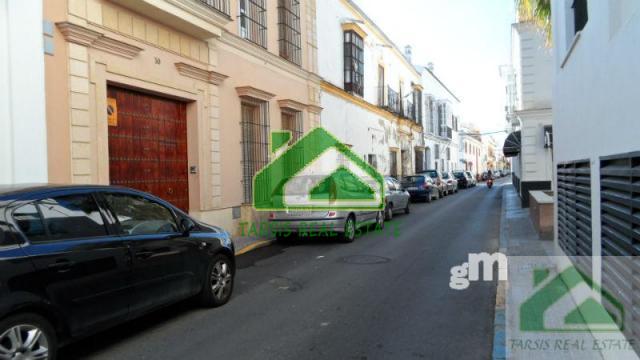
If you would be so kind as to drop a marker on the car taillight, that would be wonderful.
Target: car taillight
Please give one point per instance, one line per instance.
(425, 186)
(332, 214)
(272, 215)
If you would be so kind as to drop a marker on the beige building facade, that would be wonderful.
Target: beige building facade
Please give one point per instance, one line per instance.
(178, 97)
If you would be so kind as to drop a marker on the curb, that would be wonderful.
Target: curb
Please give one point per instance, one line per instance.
(256, 245)
(500, 314)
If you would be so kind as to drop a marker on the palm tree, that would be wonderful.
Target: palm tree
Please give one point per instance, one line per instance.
(537, 12)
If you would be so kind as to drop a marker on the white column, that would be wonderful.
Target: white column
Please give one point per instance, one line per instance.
(23, 132)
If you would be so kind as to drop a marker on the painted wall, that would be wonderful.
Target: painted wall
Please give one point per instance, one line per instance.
(23, 139)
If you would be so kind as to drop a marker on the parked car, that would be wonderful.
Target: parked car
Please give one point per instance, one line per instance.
(472, 179)
(396, 198)
(463, 180)
(75, 260)
(450, 181)
(436, 176)
(420, 187)
(289, 224)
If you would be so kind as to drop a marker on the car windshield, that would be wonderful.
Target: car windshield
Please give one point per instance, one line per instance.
(445, 175)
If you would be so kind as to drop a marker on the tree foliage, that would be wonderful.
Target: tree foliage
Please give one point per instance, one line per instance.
(537, 12)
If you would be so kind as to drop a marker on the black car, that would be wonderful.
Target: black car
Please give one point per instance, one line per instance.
(420, 187)
(78, 259)
(463, 182)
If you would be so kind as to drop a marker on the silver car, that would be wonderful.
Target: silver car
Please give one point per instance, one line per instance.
(287, 224)
(396, 198)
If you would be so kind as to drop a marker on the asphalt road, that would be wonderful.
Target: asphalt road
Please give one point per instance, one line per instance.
(384, 296)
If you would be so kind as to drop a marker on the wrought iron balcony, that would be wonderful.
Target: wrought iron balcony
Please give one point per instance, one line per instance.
(219, 5)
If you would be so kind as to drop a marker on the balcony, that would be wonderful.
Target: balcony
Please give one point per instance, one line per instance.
(219, 5)
(202, 19)
(396, 105)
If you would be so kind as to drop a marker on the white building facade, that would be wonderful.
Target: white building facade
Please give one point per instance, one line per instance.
(23, 130)
(371, 94)
(529, 83)
(596, 146)
(471, 149)
(440, 123)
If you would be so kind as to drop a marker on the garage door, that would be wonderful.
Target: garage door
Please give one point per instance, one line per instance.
(148, 144)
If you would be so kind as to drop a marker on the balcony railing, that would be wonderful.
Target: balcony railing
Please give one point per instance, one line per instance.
(219, 5)
(394, 103)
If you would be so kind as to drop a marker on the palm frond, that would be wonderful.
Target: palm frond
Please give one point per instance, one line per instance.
(537, 12)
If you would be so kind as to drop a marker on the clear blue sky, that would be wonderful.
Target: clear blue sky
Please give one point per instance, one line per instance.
(467, 40)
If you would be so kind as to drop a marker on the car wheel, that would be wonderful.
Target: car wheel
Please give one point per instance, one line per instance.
(380, 220)
(218, 282)
(388, 212)
(27, 336)
(407, 208)
(349, 234)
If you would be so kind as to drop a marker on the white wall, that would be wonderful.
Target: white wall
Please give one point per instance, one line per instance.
(596, 92)
(533, 65)
(23, 142)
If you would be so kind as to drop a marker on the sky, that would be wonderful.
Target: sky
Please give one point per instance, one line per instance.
(466, 40)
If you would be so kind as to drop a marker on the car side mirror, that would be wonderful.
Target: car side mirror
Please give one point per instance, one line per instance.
(187, 225)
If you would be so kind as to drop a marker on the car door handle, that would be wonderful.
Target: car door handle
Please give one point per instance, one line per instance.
(62, 266)
(144, 254)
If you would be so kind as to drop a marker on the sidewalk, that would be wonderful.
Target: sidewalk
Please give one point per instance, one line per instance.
(244, 244)
(532, 269)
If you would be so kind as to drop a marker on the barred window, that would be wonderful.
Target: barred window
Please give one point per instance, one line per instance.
(353, 63)
(292, 121)
(255, 143)
(253, 21)
(289, 30)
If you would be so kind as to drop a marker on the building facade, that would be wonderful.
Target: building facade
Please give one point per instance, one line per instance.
(441, 122)
(471, 149)
(371, 93)
(178, 97)
(528, 85)
(596, 146)
(23, 134)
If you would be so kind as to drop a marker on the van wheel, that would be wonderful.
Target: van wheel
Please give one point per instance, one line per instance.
(27, 336)
(218, 282)
(349, 234)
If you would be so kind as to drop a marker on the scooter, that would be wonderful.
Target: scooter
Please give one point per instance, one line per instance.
(490, 183)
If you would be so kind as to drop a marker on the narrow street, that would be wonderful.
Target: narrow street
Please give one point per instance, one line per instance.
(379, 297)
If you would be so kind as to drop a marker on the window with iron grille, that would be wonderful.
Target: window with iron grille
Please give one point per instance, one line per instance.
(620, 233)
(381, 86)
(353, 63)
(292, 121)
(255, 143)
(437, 152)
(580, 14)
(253, 21)
(219, 5)
(417, 103)
(574, 212)
(289, 30)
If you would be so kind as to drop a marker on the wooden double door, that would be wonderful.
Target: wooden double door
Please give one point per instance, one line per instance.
(148, 144)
